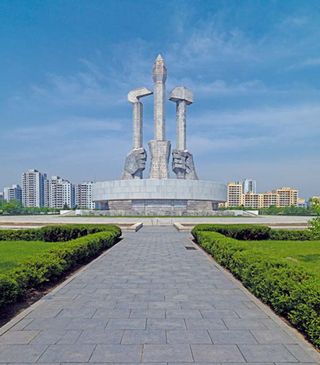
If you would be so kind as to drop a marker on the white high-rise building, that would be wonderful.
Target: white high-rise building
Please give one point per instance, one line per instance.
(249, 186)
(61, 193)
(84, 195)
(13, 193)
(33, 188)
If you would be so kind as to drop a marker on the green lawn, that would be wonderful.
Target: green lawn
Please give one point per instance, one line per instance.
(303, 253)
(13, 253)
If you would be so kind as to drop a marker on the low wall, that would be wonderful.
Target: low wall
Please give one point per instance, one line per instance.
(166, 189)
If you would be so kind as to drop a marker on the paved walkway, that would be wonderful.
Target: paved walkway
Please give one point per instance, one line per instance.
(150, 300)
(153, 221)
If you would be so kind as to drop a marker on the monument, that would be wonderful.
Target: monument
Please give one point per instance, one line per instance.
(159, 194)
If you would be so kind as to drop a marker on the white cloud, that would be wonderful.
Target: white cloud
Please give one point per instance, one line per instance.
(67, 127)
(310, 62)
(254, 129)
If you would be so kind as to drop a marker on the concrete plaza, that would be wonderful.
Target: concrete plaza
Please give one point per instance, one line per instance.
(152, 299)
(35, 220)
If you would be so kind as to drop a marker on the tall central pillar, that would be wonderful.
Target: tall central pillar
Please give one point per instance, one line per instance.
(159, 147)
(159, 76)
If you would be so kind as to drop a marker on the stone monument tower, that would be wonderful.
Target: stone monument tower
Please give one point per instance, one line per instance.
(159, 194)
(159, 147)
(182, 159)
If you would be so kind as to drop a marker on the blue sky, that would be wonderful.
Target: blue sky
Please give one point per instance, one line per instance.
(254, 67)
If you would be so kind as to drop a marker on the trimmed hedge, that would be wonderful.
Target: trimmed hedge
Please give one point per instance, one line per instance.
(54, 264)
(292, 292)
(290, 235)
(251, 232)
(255, 232)
(56, 233)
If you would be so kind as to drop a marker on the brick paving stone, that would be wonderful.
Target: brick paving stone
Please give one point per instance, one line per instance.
(183, 313)
(219, 313)
(151, 301)
(166, 324)
(245, 324)
(117, 353)
(20, 353)
(165, 353)
(216, 353)
(18, 337)
(208, 323)
(127, 324)
(299, 353)
(232, 337)
(135, 337)
(265, 353)
(188, 337)
(112, 313)
(273, 337)
(67, 353)
(94, 336)
(51, 337)
(147, 313)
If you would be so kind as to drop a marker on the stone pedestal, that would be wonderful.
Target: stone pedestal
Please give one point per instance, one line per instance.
(162, 197)
(159, 153)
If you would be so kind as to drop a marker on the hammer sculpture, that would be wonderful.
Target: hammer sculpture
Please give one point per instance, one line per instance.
(182, 162)
(137, 114)
(136, 160)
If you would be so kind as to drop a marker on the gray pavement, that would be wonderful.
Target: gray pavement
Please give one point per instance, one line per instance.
(153, 221)
(150, 300)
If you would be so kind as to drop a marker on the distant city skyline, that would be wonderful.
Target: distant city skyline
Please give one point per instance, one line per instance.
(252, 67)
(37, 190)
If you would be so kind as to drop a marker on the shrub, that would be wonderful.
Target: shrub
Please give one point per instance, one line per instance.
(255, 232)
(237, 231)
(290, 235)
(54, 264)
(56, 233)
(20, 235)
(315, 222)
(9, 290)
(290, 291)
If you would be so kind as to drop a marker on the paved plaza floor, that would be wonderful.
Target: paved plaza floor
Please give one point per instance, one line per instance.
(151, 300)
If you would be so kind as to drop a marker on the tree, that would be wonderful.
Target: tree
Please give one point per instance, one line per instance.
(12, 207)
(315, 222)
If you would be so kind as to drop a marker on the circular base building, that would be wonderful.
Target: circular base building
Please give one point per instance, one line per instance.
(162, 197)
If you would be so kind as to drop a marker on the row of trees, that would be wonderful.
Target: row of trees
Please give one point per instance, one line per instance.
(293, 210)
(14, 207)
(273, 210)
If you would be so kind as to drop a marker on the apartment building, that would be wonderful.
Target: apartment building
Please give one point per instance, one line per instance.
(33, 188)
(234, 194)
(61, 193)
(252, 200)
(287, 197)
(83, 195)
(270, 199)
(12, 193)
(282, 197)
(249, 186)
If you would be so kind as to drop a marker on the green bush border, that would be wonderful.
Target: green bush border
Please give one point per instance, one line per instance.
(290, 291)
(254, 232)
(54, 264)
(56, 233)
